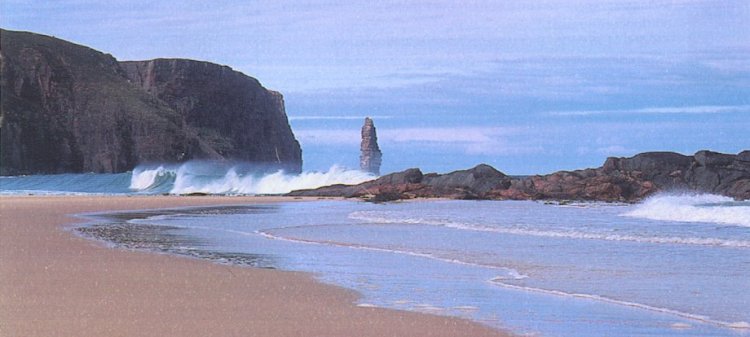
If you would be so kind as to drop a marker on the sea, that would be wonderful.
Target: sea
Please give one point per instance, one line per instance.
(675, 264)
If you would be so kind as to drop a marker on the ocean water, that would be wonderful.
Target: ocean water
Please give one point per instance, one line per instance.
(186, 178)
(674, 265)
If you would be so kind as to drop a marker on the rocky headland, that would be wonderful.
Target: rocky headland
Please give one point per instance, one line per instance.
(70, 108)
(618, 180)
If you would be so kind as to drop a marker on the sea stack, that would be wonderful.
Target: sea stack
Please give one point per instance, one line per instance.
(370, 157)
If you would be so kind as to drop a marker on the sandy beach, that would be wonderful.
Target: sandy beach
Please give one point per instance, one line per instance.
(53, 283)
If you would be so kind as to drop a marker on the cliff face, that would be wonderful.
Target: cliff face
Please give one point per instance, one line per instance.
(69, 108)
(619, 179)
(370, 157)
(231, 112)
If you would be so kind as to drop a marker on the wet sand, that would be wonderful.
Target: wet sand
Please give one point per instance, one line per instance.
(54, 283)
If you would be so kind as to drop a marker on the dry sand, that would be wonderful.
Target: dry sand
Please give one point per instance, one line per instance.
(53, 283)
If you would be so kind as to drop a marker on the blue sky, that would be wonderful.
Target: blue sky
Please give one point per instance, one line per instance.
(526, 86)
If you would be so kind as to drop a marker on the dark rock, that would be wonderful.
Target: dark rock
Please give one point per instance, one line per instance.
(475, 182)
(708, 158)
(231, 112)
(385, 197)
(632, 179)
(658, 167)
(69, 108)
(619, 179)
(399, 182)
(409, 176)
(370, 157)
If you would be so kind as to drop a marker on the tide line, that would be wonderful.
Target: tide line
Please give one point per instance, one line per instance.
(511, 273)
(741, 325)
(693, 241)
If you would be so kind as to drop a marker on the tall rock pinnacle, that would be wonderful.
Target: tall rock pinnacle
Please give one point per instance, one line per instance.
(370, 157)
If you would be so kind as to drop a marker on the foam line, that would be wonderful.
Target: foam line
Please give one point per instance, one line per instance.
(371, 217)
(693, 317)
(511, 273)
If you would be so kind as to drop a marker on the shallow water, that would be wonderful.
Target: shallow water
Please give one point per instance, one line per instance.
(551, 270)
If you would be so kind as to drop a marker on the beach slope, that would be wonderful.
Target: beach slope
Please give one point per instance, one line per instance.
(53, 283)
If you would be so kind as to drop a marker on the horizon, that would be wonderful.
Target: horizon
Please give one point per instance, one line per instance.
(526, 88)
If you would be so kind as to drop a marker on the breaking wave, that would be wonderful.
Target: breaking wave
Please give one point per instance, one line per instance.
(213, 178)
(694, 208)
(191, 177)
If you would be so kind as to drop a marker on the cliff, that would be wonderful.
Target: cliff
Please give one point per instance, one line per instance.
(69, 108)
(619, 179)
(231, 112)
(370, 157)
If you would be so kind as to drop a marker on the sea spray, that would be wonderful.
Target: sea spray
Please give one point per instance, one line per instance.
(693, 208)
(157, 179)
(218, 178)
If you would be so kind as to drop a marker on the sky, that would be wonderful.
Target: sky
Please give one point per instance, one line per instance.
(526, 86)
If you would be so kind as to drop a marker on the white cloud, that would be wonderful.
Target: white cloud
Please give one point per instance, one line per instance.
(614, 150)
(327, 136)
(446, 135)
(470, 140)
(315, 118)
(700, 109)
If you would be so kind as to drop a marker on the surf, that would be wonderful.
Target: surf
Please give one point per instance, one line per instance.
(191, 177)
(220, 178)
(708, 208)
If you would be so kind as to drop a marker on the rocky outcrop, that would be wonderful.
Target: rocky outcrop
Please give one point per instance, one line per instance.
(619, 179)
(474, 183)
(69, 108)
(370, 157)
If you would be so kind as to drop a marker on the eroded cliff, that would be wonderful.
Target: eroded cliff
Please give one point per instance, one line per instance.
(229, 111)
(69, 108)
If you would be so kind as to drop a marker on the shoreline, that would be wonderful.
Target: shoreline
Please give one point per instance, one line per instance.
(54, 282)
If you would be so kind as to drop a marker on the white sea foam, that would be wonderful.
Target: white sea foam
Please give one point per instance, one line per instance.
(693, 208)
(694, 317)
(510, 274)
(392, 218)
(221, 179)
(149, 178)
(367, 305)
